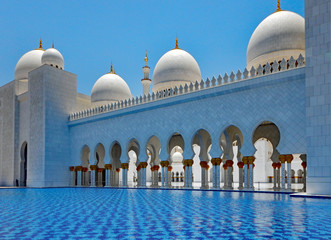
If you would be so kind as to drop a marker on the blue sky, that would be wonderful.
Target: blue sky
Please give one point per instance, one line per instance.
(92, 34)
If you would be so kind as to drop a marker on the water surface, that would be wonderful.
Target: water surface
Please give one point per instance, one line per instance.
(105, 213)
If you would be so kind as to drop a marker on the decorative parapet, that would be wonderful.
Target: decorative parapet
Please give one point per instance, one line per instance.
(267, 69)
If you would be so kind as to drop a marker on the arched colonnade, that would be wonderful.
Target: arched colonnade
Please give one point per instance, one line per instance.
(189, 161)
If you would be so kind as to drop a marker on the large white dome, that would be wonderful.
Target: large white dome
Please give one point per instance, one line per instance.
(175, 68)
(280, 35)
(53, 57)
(29, 61)
(110, 88)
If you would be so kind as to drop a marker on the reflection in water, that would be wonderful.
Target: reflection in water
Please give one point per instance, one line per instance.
(94, 213)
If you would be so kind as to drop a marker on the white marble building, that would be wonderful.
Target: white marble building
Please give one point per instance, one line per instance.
(265, 123)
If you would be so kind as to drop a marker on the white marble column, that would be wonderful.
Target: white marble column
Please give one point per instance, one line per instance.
(86, 175)
(107, 183)
(216, 172)
(162, 177)
(229, 163)
(169, 176)
(251, 184)
(241, 175)
(251, 172)
(289, 159)
(245, 172)
(143, 177)
(278, 175)
(282, 161)
(203, 175)
(166, 176)
(144, 166)
(117, 177)
(218, 176)
(155, 176)
(125, 167)
(72, 176)
(188, 168)
(214, 176)
(246, 182)
(164, 165)
(92, 178)
(303, 157)
(186, 177)
(139, 176)
(225, 167)
(79, 178)
(100, 177)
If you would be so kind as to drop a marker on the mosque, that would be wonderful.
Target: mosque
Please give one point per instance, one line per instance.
(267, 123)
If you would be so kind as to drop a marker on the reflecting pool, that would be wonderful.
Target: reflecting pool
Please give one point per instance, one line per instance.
(106, 213)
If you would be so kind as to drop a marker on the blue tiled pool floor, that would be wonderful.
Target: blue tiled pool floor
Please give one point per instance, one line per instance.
(99, 213)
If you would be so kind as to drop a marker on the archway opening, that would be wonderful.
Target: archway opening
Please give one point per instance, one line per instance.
(85, 162)
(24, 165)
(201, 145)
(266, 138)
(116, 173)
(133, 151)
(175, 149)
(100, 177)
(153, 149)
(231, 141)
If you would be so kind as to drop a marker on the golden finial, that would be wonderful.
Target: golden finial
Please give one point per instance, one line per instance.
(40, 45)
(52, 45)
(176, 43)
(146, 58)
(278, 6)
(111, 68)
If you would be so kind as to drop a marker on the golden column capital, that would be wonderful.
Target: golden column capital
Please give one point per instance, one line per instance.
(143, 164)
(203, 164)
(229, 163)
(240, 164)
(125, 166)
(216, 161)
(93, 167)
(251, 159)
(289, 158)
(188, 162)
(282, 158)
(164, 163)
(108, 166)
(78, 168)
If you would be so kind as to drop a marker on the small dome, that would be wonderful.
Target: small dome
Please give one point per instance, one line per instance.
(53, 57)
(29, 61)
(175, 68)
(177, 157)
(280, 35)
(110, 88)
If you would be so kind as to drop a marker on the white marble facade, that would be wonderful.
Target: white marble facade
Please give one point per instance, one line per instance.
(189, 132)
